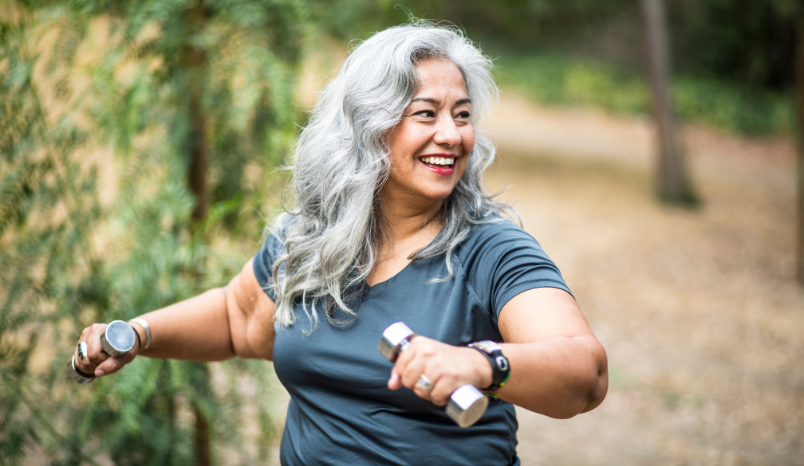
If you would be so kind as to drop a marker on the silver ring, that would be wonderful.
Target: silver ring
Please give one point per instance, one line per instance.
(82, 350)
(425, 383)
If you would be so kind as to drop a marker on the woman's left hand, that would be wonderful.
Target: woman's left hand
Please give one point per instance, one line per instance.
(447, 367)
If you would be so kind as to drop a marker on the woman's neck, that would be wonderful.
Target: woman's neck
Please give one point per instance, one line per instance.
(405, 232)
(401, 224)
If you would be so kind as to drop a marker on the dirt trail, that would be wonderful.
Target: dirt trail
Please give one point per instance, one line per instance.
(522, 127)
(698, 310)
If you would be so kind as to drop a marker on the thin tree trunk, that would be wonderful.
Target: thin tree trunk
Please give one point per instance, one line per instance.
(201, 437)
(674, 185)
(195, 65)
(799, 66)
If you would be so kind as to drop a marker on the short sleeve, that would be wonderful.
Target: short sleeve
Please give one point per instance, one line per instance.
(502, 261)
(264, 264)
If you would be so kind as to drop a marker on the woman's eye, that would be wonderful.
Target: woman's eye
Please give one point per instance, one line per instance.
(426, 113)
(464, 115)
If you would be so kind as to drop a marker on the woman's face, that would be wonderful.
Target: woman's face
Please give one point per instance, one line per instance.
(430, 146)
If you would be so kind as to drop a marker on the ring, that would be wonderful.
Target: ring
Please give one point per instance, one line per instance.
(82, 350)
(425, 383)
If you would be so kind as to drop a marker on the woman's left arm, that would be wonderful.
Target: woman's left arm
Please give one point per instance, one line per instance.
(558, 367)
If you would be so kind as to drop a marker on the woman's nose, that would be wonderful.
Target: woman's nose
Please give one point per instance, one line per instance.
(447, 133)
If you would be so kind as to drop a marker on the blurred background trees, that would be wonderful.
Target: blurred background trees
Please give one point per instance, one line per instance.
(733, 59)
(138, 142)
(672, 178)
(797, 12)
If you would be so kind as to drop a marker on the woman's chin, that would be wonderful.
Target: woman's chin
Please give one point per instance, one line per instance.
(436, 196)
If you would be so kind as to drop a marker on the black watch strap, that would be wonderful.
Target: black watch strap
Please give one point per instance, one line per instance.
(500, 368)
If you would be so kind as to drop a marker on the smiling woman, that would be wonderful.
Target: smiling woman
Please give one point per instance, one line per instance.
(429, 147)
(391, 223)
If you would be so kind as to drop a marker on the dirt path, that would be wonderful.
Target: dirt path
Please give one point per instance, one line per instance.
(698, 310)
(519, 126)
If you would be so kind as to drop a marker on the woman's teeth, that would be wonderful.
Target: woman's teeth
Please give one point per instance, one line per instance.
(446, 161)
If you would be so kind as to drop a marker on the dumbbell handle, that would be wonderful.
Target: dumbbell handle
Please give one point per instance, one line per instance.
(466, 405)
(117, 339)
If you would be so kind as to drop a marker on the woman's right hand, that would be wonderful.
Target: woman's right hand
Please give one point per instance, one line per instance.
(97, 362)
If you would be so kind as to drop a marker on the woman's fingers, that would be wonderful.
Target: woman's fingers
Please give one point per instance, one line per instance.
(113, 364)
(445, 368)
(442, 390)
(412, 371)
(95, 352)
(88, 361)
(420, 389)
(96, 361)
(407, 368)
(395, 382)
(424, 386)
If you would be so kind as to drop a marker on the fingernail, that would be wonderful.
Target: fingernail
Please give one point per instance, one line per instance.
(99, 373)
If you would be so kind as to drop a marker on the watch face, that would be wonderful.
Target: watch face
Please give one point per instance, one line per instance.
(488, 346)
(502, 363)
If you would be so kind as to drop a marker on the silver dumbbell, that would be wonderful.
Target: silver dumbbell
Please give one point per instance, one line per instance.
(117, 339)
(466, 404)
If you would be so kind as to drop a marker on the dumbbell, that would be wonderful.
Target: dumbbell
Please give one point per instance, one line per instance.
(466, 404)
(117, 339)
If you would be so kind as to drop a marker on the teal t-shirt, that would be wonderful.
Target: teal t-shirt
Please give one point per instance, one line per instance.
(341, 411)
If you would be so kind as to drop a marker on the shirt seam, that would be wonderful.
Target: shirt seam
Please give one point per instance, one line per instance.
(526, 286)
(471, 288)
(269, 289)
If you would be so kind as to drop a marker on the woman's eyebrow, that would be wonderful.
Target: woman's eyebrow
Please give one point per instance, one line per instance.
(437, 102)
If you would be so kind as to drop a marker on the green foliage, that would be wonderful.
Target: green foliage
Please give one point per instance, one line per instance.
(90, 88)
(561, 81)
(556, 80)
(742, 41)
(515, 23)
(733, 58)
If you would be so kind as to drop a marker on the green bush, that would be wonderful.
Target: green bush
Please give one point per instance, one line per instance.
(92, 89)
(554, 80)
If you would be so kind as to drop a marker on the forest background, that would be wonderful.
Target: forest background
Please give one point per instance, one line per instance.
(139, 143)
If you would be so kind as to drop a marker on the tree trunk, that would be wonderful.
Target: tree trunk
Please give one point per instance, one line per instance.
(799, 67)
(201, 437)
(195, 67)
(674, 185)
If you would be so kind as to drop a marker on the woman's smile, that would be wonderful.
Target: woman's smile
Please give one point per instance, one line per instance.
(442, 164)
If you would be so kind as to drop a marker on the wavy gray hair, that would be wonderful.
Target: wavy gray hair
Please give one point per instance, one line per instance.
(331, 236)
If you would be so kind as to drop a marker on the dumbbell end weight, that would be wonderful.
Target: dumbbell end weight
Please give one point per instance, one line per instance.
(77, 375)
(467, 405)
(118, 338)
(395, 338)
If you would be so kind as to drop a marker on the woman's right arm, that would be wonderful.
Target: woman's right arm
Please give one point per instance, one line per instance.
(221, 323)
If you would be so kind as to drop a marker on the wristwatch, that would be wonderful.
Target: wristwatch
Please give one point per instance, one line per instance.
(500, 368)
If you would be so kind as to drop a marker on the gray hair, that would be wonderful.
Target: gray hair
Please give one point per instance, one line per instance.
(331, 236)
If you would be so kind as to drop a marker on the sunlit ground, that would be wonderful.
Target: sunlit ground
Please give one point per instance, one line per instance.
(698, 310)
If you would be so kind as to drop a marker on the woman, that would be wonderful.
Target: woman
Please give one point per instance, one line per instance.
(391, 223)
